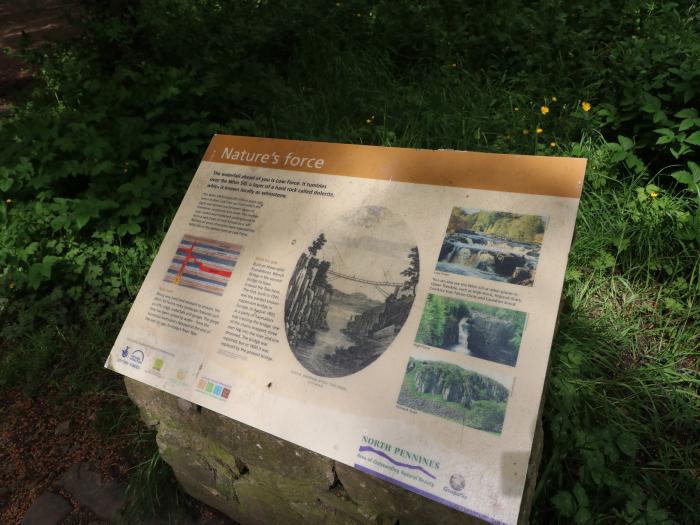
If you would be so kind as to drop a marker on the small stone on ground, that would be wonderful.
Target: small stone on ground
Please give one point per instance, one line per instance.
(48, 509)
(104, 498)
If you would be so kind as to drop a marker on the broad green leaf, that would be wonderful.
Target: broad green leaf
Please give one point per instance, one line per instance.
(659, 116)
(564, 503)
(581, 496)
(652, 104)
(59, 222)
(686, 124)
(683, 177)
(627, 443)
(687, 113)
(106, 166)
(81, 220)
(35, 275)
(665, 131)
(694, 139)
(5, 180)
(46, 264)
(619, 156)
(695, 170)
(156, 153)
(688, 94)
(66, 143)
(626, 142)
(583, 516)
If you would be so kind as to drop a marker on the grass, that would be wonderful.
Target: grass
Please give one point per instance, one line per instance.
(624, 385)
(148, 86)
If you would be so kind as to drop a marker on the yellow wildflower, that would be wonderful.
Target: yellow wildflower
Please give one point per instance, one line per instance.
(586, 106)
(516, 108)
(11, 285)
(554, 99)
(526, 131)
(552, 144)
(544, 110)
(654, 194)
(539, 131)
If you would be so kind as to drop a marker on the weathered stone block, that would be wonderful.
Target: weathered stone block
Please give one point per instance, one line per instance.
(258, 479)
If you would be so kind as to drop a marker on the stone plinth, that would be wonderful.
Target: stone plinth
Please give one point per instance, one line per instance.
(256, 478)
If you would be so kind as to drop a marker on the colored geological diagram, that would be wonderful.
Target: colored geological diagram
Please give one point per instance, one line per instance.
(203, 264)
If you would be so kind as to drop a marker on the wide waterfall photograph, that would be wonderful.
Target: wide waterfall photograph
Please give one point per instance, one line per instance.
(494, 245)
(351, 291)
(452, 392)
(478, 330)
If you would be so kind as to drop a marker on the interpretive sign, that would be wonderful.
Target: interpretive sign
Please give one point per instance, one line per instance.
(392, 309)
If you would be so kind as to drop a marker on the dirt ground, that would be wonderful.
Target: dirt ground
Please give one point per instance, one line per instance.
(42, 436)
(36, 448)
(28, 23)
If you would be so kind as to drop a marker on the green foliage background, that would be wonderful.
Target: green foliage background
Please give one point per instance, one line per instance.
(95, 160)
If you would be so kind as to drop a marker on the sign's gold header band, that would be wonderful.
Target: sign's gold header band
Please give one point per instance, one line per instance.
(554, 176)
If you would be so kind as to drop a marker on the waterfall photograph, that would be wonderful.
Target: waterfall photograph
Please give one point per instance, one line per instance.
(452, 392)
(351, 292)
(494, 245)
(478, 330)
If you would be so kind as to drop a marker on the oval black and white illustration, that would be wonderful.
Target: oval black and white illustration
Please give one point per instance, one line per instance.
(351, 291)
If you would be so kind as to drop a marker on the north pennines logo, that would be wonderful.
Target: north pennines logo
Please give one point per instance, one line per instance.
(399, 461)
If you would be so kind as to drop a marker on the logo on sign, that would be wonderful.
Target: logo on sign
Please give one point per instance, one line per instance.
(137, 357)
(214, 388)
(457, 482)
(133, 358)
(158, 364)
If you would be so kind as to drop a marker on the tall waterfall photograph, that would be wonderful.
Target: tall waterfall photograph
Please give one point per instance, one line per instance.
(494, 245)
(452, 392)
(351, 291)
(478, 330)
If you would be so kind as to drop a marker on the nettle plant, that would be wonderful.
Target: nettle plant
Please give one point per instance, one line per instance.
(86, 194)
(679, 136)
(683, 138)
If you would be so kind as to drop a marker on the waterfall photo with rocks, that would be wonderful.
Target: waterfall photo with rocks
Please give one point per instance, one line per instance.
(478, 330)
(351, 292)
(493, 245)
(452, 392)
